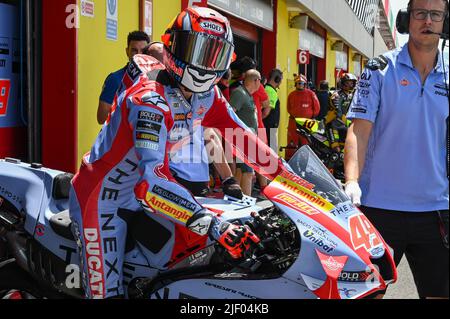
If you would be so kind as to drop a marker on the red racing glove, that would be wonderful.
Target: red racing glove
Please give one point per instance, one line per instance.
(236, 239)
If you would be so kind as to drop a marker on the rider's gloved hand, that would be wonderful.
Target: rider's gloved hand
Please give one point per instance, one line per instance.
(236, 239)
(353, 191)
(231, 188)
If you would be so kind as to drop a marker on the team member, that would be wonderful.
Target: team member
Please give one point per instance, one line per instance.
(395, 153)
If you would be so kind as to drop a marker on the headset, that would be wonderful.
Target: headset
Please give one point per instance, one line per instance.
(276, 75)
(403, 17)
(402, 24)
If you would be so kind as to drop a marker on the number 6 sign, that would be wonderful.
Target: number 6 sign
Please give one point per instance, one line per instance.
(5, 86)
(302, 57)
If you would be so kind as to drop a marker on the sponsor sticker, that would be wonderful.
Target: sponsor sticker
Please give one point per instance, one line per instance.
(147, 145)
(358, 110)
(162, 205)
(150, 116)
(302, 191)
(343, 209)
(297, 204)
(201, 111)
(327, 247)
(179, 117)
(332, 265)
(147, 137)
(148, 126)
(155, 99)
(174, 198)
(354, 276)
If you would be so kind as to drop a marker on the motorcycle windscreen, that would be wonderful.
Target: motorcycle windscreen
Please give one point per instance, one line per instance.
(308, 166)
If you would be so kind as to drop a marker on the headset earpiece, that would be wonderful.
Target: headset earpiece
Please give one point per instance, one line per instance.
(446, 25)
(402, 21)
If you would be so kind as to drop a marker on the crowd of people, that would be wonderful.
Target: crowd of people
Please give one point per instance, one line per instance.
(197, 89)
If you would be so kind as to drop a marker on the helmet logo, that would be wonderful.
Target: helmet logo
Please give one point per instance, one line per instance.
(212, 26)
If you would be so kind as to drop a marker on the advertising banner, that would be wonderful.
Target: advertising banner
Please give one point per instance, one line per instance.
(10, 115)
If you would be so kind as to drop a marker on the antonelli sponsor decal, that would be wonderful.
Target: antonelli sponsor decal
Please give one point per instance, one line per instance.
(168, 208)
(305, 193)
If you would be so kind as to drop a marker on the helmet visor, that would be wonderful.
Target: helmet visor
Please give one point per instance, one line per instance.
(202, 50)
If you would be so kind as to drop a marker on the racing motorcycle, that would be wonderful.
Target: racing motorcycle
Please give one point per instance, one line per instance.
(320, 138)
(314, 242)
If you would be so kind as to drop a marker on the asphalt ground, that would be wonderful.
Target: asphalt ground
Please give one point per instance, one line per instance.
(404, 288)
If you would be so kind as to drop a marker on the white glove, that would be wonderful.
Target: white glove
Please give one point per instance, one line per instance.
(353, 191)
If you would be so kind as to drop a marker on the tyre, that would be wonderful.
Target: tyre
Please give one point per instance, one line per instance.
(15, 283)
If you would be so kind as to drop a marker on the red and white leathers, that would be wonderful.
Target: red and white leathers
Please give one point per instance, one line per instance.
(128, 166)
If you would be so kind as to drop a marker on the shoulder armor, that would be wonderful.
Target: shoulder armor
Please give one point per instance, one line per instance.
(378, 63)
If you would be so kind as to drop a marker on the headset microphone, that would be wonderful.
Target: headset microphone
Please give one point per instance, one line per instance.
(441, 35)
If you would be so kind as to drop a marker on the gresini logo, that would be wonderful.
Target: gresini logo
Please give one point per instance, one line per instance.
(332, 264)
(212, 26)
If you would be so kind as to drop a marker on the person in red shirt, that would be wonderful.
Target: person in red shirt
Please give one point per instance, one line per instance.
(262, 108)
(301, 103)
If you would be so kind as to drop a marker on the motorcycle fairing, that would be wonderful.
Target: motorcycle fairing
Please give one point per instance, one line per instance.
(314, 126)
(30, 191)
(330, 225)
(238, 288)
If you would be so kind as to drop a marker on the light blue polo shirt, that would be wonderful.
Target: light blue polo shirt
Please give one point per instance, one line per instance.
(405, 167)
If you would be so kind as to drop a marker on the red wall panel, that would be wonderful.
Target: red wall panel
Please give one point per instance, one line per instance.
(59, 87)
(13, 142)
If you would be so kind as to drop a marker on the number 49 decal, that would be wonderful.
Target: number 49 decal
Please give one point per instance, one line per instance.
(5, 86)
(363, 234)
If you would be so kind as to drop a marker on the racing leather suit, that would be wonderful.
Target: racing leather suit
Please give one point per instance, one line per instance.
(128, 166)
(335, 121)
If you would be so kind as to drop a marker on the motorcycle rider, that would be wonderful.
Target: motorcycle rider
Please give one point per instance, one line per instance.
(340, 100)
(161, 109)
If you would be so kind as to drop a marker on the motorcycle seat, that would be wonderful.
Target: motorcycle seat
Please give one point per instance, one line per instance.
(60, 224)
